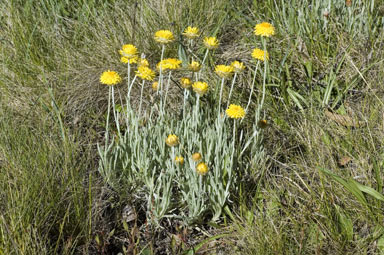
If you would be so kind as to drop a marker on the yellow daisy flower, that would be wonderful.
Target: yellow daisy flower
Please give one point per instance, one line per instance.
(264, 29)
(169, 63)
(238, 66)
(143, 62)
(224, 71)
(200, 87)
(155, 86)
(172, 140)
(211, 43)
(125, 60)
(179, 159)
(191, 32)
(259, 54)
(185, 82)
(164, 36)
(145, 73)
(194, 66)
(235, 111)
(196, 156)
(202, 168)
(128, 51)
(110, 78)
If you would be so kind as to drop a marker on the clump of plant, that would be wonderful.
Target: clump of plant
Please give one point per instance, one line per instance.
(183, 160)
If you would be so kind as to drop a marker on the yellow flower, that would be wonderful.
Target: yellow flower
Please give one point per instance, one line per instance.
(143, 62)
(264, 29)
(172, 140)
(110, 78)
(179, 159)
(202, 168)
(211, 42)
(224, 71)
(169, 63)
(200, 87)
(235, 111)
(145, 73)
(191, 32)
(128, 51)
(196, 156)
(259, 54)
(155, 86)
(125, 60)
(238, 66)
(185, 82)
(194, 66)
(164, 36)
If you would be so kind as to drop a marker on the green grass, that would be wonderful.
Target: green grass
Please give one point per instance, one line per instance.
(53, 109)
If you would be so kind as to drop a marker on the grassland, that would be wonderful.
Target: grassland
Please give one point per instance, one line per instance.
(318, 190)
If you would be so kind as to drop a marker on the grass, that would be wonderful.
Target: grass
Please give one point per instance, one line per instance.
(325, 56)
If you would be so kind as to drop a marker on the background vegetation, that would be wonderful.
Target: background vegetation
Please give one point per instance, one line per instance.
(318, 190)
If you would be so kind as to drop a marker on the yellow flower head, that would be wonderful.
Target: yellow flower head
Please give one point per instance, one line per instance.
(264, 29)
(196, 156)
(172, 140)
(235, 111)
(145, 73)
(143, 62)
(191, 32)
(194, 66)
(259, 54)
(110, 78)
(211, 42)
(155, 86)
(179, 159)
(169, 63)
(125, 60)
(224, 71)
(239, 66)
(128, 51)
(164, 36)
(202, 168)
(200, 87)
(185, 82)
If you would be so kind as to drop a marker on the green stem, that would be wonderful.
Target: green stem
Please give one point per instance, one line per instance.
(230, 91)
(107, 124)
(202, 63)
(221, 93)
(166, 89)
(115, 113)
(265, 73)
(253, 84)
(141, 95)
